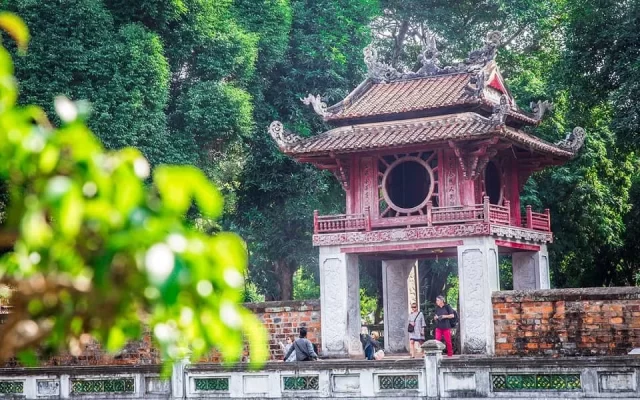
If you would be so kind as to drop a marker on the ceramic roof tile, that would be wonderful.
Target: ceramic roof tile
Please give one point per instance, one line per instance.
(408, 95)
(416, 131)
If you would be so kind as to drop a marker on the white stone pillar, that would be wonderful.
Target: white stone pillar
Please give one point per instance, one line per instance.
(412, 285)
(340, 303)
(531, 269)
(395, 275)
(478, 276)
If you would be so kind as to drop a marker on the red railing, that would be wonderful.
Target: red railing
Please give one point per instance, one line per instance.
(341, 222)
(455, 214)
(537, 221)
(485, 212)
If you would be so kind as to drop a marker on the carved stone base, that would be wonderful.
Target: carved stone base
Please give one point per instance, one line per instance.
(340, 303)
(478, 277)
(395, 276)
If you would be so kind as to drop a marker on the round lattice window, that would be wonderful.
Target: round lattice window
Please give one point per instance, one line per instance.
(407, 184)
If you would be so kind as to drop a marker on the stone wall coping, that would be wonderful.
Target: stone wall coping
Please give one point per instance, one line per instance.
(312, 365)
(596, 293)
(542, 362)
(294, 305)
(82, 370)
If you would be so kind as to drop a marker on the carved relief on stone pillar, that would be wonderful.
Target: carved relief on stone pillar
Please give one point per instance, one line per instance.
(334, 324)
(412, 286)
(544, 272)
(354, 321)
(475, 302)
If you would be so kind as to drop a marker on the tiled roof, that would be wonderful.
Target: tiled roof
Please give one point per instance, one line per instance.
(418, 94)
(405, 96)
(416, 131)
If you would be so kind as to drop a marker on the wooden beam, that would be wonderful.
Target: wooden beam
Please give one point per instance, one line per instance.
(517, 246)
(401, 247)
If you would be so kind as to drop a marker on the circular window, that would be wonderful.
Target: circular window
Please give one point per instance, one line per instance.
(408, 184)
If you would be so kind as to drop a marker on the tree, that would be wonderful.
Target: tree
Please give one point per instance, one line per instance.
(101, 254)
(277, 195)
(580, 55)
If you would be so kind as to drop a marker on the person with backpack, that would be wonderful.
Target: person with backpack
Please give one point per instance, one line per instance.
(416, 330)
(445, 320)
(303, 348)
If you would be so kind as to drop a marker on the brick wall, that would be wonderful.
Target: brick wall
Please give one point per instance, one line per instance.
(567, 322)
(283, 318)
(280, 318)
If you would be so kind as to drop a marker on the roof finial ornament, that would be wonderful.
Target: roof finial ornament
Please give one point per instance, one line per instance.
(479, 58)
(376, 70)
(476, 84)
(573, 141)
(500, 111)
(540, 108)
(282, 137)
(429, 58)
(316, 102)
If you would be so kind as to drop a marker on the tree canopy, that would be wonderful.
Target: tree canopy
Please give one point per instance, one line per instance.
(193, 82)
(102, 249)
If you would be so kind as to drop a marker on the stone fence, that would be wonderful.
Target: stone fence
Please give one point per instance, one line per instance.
(433, 378)
(567, 322)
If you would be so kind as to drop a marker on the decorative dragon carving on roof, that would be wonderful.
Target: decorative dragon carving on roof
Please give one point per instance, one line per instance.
(282, 137)
(500, 111)
(376, 70)
(475, 61)
(540, 108)
(316, 102)
(573, 141)
(480, 57)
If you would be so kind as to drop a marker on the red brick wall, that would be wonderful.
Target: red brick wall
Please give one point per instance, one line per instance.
(567, 322)
(283, 318)
(280, 318)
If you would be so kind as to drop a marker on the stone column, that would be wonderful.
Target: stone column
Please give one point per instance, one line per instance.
(478, 276)
(531, 269)
(412, 286)
(340, 303)
(432, 355)
(395, 275)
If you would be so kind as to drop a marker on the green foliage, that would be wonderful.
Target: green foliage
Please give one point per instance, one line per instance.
(368, 306)
(305, 286)
(277, 196)
(99, 253)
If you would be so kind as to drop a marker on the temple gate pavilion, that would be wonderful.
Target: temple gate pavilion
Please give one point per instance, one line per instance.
(432, 163)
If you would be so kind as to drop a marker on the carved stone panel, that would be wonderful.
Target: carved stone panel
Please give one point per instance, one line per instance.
(475, 297)
(524, 271)
(395, 275)
(48, 387)
(333, 292)
(353, 305)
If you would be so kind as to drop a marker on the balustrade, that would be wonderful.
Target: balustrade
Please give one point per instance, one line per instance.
(485, 212)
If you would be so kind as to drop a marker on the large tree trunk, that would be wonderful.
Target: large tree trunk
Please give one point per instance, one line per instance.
(284, 273)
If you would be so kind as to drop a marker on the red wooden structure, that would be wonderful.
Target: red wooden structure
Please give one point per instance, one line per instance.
(442, 150)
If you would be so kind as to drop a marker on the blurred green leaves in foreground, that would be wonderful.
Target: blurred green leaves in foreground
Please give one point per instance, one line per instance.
(103, 253)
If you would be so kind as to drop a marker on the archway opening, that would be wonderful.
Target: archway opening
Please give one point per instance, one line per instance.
(493, 183)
